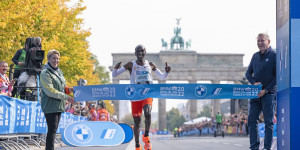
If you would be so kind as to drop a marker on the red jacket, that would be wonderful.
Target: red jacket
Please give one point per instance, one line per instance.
(93, 114)
(103, 115)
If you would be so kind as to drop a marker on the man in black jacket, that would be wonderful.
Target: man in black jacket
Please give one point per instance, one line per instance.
(262, 70)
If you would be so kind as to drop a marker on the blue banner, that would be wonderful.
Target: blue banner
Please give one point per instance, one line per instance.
(128, 132)
(162, 132)
(21, 116)
(5, 115)
(165, 91)
(41, 124)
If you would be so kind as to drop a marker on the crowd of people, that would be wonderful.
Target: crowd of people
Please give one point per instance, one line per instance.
(94, 111)
(232, 124)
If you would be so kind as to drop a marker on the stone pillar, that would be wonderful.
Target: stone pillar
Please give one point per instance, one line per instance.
(116, 102)
(162, 115)
(193, 104)
(232, 106)
(215, 103)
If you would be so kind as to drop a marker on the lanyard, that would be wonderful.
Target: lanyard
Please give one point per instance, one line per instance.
(4, 78)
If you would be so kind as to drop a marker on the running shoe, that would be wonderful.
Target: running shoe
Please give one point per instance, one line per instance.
(146, 140)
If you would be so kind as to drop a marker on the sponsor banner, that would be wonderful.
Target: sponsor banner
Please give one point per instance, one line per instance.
(162, 132)
(293, 129)
(5, 114)
(40, 121)
(283, 119)
(128, 132)
(295, 45)
(93, 133)
(261, 130)
(165, 91)
(21, 116)
(288, 29)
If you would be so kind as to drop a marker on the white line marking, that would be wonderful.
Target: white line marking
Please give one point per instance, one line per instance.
(238, 145)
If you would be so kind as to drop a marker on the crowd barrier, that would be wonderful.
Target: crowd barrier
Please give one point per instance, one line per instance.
(162, 132)
(204, 131)
(229, 130)
(21, 116)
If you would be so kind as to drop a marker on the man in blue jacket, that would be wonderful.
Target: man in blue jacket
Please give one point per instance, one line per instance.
(262, 70)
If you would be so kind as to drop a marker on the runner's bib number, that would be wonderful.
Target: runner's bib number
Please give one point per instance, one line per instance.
(142, 76)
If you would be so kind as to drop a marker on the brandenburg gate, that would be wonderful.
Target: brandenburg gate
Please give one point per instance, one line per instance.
(187, 65)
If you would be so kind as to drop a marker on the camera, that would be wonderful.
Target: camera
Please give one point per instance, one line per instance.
(39, 55)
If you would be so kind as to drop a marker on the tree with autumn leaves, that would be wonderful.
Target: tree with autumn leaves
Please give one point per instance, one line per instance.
(59, 27)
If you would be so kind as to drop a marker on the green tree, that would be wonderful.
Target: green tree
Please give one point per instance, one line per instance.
(109, 106)
(100, 71)
(174, 119)
(59, 27)
(205, 112)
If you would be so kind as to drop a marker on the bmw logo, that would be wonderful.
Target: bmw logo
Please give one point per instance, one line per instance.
(200, 90)
(82, 134)
(130, 91)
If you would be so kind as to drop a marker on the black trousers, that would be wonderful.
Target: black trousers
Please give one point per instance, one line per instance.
(52, 123)
(17, 73)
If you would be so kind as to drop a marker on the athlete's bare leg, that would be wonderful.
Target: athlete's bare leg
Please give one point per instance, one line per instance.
(136, 130)
(147, 113)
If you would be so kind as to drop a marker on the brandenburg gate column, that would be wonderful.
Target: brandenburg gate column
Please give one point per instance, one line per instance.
(215, 103)
(162, 115)
(193, 104)
(116, 102)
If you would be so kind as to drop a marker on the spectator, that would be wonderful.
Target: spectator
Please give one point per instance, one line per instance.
(83, 104)
(175, 131)
(85, 111)
(6, 86)
(72, 109)
(93, 113)
(67, 106)
(77, 110)
(103, 114)
(218, 121)
(53, 95)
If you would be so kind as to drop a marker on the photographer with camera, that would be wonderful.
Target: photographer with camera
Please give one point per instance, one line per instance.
(32, 67)
(19, 61)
